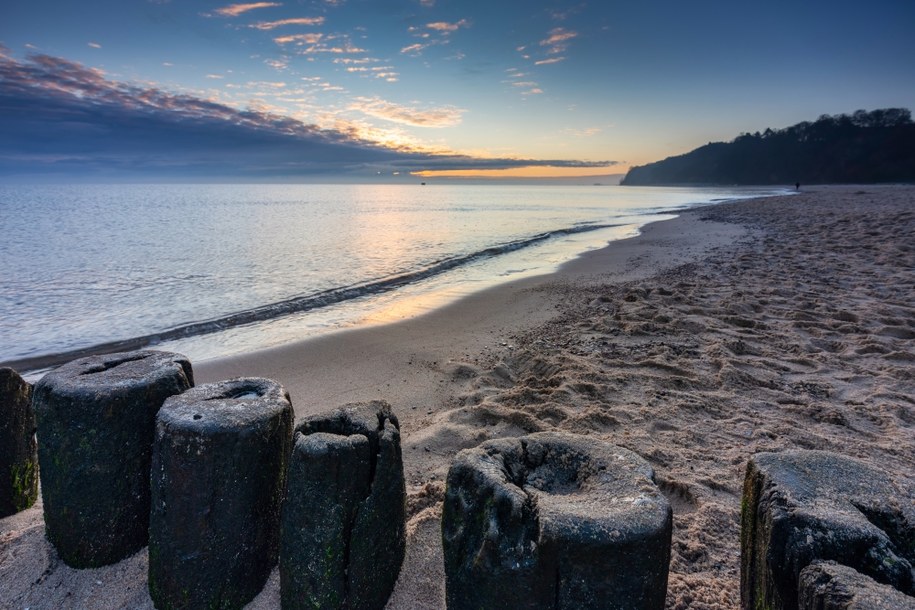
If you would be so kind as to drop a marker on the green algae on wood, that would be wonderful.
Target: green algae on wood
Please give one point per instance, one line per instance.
(18, 449)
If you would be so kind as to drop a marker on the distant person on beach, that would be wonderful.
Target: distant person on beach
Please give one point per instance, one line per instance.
(797, 186)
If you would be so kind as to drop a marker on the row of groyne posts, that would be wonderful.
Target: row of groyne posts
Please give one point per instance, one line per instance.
(222, 485)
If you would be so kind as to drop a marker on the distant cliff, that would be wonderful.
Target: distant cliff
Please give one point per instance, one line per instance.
(864, 147)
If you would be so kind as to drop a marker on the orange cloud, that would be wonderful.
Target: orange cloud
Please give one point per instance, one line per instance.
(234, 10)
(270, 25)
(544, 171)
(557, 42)
(558, 35)
(413, 49)
(444, 116)
(313, 38)
(444, 26)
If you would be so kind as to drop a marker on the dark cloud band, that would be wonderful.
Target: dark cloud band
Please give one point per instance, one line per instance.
(58, 116)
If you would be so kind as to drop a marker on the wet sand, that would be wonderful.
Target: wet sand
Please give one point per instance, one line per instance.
(762, 325)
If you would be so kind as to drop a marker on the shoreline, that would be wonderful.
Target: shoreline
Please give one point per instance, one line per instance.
(263, 323)
(477, 323)
(767, 324)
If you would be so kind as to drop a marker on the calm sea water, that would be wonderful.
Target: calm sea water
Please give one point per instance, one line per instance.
(217, 269)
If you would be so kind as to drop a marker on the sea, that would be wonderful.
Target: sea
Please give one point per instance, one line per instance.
(215, 270)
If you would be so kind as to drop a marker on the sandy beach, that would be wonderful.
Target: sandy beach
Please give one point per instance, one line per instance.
(762, 325)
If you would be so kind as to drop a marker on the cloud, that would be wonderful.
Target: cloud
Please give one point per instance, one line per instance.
(386, 73)
(62, 118)
(278, 64)
(443, 116)
(316, 42)
(261, 85)
(413, 49)
(95, 45)
(583, 133)
(462, 162)
(432, 34)
(445, 27)
(530, 87)
(345, 49)
(272, 25)
(234, 10)
(557, 41)
(362, 66)
(312, 38)
(355, 61)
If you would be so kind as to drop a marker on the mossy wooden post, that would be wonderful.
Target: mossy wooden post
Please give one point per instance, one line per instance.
(96, 417)
(218, 476)
(554, 520)
(827, 585)
(802, 506)
(18, 450)
(343, 536)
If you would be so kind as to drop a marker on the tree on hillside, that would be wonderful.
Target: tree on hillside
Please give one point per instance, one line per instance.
(875, 146)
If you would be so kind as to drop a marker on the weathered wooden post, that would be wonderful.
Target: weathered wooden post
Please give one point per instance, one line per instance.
(554, 520)
(827, 585)
(344, 530)
(802, 506)
(218, 476)
(96, 417)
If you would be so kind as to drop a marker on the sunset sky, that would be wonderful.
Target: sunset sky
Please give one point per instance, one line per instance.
(298, 89)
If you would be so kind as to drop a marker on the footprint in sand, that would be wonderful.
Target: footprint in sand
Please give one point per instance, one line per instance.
(871, 348)
(461, 371)
(845, 316)
(897, 332)
(682, 499)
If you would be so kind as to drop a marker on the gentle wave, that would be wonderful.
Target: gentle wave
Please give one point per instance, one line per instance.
(297, 304)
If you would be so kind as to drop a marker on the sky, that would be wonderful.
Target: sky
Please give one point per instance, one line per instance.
(354, 89)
